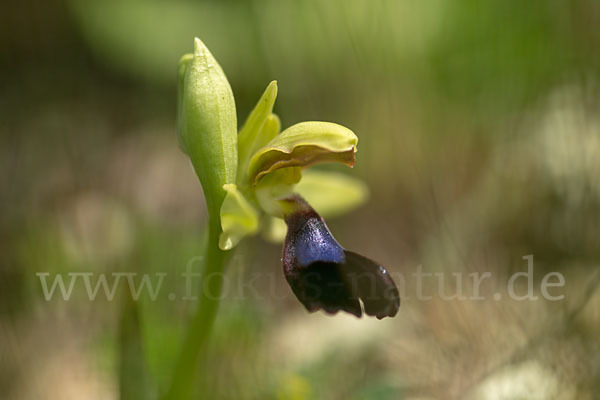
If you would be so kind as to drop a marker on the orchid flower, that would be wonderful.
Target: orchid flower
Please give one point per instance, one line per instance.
(324, 275)
(256, 181)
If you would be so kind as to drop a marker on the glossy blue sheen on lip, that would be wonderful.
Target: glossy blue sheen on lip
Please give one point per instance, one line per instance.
(324, 276)
(314, 243)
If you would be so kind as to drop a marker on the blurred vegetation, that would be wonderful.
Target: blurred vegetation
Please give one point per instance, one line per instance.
(479, 131)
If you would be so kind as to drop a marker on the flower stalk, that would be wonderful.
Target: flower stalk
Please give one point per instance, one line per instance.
(203, 320)
(207, 131)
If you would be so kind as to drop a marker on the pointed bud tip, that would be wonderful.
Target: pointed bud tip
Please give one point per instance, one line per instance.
(200, 49)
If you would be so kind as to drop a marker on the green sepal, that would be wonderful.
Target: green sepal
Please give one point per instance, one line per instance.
(273, 229)
(302, 145)
(331, 193)
(238, 218)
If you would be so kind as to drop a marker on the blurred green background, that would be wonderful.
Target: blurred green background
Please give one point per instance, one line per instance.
(479, 127)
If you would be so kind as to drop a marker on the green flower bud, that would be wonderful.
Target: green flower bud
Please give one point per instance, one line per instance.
(207, 125)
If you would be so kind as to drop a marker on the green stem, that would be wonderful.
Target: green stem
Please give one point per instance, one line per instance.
(201, 325)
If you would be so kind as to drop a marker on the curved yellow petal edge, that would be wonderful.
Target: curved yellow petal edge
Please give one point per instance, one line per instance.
(304, 144)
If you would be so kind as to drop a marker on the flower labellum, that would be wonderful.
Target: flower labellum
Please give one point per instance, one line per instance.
(323, 275)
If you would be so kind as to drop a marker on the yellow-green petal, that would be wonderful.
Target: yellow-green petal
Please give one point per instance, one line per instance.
(269, 130)
(302, 145)
(331, 193)
(238, 218)
(258, 130)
